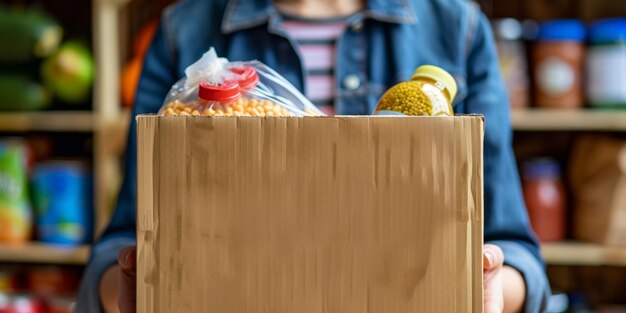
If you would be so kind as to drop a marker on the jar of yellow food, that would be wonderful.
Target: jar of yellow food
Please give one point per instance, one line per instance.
(429, 93)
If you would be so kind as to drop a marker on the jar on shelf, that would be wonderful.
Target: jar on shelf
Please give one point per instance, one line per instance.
(606, 64)
(512, 56)
(557, 57)
(545, 199)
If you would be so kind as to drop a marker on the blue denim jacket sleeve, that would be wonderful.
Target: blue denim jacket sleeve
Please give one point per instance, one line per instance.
(156, 79)
(506, 220)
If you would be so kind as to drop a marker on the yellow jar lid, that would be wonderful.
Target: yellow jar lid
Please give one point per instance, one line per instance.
(437, 74)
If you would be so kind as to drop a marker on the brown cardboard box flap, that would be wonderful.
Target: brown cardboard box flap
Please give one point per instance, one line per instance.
(309, 215)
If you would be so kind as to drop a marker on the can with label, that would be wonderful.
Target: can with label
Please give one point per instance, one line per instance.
(62, 199)
(15, 209)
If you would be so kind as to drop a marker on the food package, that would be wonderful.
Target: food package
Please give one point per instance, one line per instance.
(598, 182)
(214, 86)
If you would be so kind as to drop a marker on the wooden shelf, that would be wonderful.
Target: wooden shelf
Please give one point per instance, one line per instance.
(41, 253)
(568, 120)
(583, 254)
(69, 121)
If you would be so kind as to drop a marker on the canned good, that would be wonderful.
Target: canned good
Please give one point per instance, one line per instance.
(15, 209)
(62, 199)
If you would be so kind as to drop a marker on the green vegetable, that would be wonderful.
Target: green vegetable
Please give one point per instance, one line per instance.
(69, 72)
(21, 94)
(27, 34)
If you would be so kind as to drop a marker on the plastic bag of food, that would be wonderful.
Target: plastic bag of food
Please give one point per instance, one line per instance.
(214, 86)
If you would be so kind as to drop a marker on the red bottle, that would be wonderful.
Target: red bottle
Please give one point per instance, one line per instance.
(545, 199)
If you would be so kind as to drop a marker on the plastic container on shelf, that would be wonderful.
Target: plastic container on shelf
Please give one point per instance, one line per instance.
(15, 209)
(62, 198)
(512, 56)
(557, 60)
(430, 92)
(606, 64)
(545, 199)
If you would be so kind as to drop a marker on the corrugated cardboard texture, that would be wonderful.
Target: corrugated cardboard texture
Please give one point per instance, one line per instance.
(309, 215)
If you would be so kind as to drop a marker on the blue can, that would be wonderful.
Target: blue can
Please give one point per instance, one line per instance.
(63, 202)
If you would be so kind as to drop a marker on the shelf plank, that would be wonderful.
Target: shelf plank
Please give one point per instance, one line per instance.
(70, 121)
(583, 254)
(42, 253)
(568, 120)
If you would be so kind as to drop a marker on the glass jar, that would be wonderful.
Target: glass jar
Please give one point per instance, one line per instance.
(545, 199)
(606, 63)
(430, 92)
(558, 57)
(512, 57)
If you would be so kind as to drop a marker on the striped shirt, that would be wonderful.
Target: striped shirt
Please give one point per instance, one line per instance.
(316, 43)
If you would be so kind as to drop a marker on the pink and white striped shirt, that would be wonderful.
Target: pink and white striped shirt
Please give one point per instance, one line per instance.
(316, 43)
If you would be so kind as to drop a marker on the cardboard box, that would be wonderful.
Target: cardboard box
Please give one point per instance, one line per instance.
(310, 215)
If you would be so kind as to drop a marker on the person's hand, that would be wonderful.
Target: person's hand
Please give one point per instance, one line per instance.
(118, 284)
(493, 260)
(127, 261)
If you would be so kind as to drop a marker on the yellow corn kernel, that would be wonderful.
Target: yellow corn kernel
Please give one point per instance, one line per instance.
(269, 113)
(179, 105)
(195, 112)
(254, 112)
(229, 110)
(237, 113)
(184, 113)
(187, 109)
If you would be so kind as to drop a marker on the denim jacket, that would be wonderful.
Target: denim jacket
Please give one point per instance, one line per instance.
(382, 45)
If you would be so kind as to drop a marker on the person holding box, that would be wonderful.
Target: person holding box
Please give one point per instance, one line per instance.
(343, 54)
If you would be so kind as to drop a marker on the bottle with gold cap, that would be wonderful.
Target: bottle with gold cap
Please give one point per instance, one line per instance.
(429, 93)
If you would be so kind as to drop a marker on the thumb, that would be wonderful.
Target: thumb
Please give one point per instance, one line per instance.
(493, 257)
(127, 260)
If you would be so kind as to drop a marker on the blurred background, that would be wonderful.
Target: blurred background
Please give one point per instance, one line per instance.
(68, 73)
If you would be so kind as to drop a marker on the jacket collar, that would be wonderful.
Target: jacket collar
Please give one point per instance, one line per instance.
(244, 14)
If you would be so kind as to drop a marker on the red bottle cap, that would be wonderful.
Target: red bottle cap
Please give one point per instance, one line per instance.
(227, 92)
(248, 78)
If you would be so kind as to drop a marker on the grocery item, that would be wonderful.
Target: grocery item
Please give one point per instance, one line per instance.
(61, 196)
(545, 198)
(216, 87)
(606, 63)
(51, 280)
(512, 57)
(27, 34)
(22, 94)
(21, 303)
(15, 209)
(69, 72)
(430, 91)
(597, 176)
(558, 56)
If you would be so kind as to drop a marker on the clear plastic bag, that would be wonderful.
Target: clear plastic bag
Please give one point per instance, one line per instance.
(216, 87)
